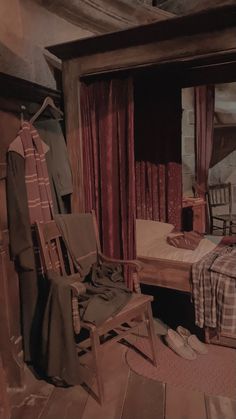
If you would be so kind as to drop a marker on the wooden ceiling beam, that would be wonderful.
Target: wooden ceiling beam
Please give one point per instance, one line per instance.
(181, 7)
(100, 16)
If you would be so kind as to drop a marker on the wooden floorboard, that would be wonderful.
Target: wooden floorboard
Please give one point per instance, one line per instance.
(66, 403)
(220, 407)
(127, 396)
(30, 402)
(144, 398)
(115, 375)
(184, 404)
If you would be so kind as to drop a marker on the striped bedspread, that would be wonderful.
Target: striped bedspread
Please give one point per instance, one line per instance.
(214, 290)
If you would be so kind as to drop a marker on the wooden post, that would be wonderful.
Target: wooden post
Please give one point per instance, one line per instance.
(5, 412)
(10, 345)
(10, 337)
(71, 85)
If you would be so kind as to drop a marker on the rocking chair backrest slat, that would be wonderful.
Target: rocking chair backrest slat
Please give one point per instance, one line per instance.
(52, 255)
(72, 268)
(55, 256)
(59, 252)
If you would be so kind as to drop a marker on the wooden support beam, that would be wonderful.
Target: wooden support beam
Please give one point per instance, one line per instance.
(174, 50)
(186, 27)
(71, 73)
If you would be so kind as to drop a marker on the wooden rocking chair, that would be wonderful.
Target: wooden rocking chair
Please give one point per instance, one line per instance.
(136, 313)
(220, 197)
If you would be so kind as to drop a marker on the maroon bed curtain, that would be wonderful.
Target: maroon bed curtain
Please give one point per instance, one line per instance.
(204, 123)
(108, 139)
(158, 152)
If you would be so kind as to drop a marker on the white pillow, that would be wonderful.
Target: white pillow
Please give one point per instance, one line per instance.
(147, 231)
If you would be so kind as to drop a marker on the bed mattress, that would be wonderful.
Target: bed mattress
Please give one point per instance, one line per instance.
(165, 265)
(151, 243)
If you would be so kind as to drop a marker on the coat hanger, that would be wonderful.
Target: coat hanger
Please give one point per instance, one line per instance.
(22, 110)
(48, 101)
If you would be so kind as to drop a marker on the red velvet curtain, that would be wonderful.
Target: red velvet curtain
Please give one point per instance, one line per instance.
(108, 139)
(158, 152)
(204, 123)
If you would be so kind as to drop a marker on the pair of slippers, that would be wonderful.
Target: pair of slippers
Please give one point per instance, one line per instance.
(184, 343)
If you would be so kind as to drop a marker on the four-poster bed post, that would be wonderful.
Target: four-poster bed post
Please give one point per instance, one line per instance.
(71, 87)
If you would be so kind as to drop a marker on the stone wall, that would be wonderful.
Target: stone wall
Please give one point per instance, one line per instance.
(225, 106)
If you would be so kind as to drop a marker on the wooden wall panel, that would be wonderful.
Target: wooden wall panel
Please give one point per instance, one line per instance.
(4, 401)
(10, 329)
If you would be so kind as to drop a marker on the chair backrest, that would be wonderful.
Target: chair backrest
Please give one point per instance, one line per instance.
(54, 253)
(219, 195)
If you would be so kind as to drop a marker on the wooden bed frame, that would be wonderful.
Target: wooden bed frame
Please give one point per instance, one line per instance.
(192, 50)
(176, 275)
(166, 273)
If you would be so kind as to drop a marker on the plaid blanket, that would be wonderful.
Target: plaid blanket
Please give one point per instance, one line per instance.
(214, 292)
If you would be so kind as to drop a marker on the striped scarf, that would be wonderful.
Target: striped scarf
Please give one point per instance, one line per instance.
(36, 175)
(37, 183)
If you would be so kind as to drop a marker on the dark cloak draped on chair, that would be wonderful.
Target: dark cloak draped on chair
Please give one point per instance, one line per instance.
(204, 122)
(158, 170)
(107, 129)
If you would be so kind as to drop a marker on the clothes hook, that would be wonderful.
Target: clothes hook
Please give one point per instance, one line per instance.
(23, 109)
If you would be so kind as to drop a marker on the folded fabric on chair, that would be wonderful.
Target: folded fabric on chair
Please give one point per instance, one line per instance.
(106, 292)
(186, 240)
(78, 232)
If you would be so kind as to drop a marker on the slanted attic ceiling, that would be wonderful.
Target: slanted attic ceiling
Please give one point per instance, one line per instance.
(100, 16)
(181, 7)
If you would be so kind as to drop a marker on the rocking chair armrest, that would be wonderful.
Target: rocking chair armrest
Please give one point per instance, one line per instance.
(77, 288)
(132, 262)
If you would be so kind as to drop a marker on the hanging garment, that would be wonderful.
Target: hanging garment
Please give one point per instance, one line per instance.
(26, 157)
(36, 176)
(57, 161)
(58, 358)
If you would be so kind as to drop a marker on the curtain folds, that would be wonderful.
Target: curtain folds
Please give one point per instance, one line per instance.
(158, 152)
(108, 139)
(204, 123)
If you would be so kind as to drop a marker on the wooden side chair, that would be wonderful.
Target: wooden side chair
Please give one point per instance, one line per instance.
(136, 313)
(220, 196)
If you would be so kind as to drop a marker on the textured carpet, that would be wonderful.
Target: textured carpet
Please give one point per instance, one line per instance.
(213, 374)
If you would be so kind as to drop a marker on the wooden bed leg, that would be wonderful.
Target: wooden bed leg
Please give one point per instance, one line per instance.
(151, 333)
(207, 334)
